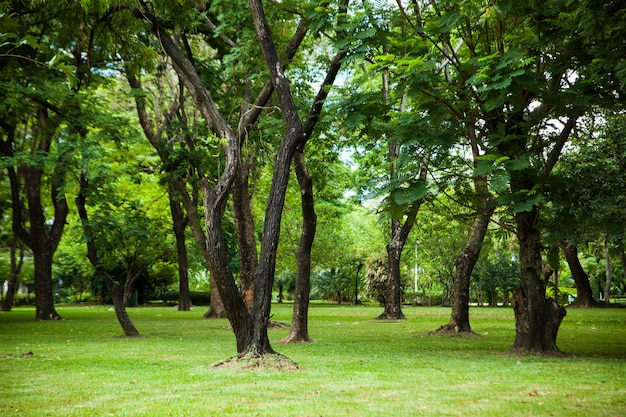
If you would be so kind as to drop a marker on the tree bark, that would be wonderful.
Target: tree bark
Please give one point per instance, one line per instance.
(244, 224)
(299, 321)
(537, 319)
(92, 254)
(581, 279)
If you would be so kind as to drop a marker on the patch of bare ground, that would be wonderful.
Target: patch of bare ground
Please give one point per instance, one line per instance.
(268, 361)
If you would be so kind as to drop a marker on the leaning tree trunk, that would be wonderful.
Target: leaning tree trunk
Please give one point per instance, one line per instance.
(92, 254)
(581, 279)
(537, 319)
(299, 320)
(465, 263)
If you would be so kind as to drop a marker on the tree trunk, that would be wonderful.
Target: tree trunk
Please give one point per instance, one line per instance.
(179, 223)
(537, 319)
(244, 224)
(299, 320)
(16, 263)
(608, 271)
(466, 261)
(581, 279)
(43, 241)
(44, 288)
(393, 292)
(92, 254)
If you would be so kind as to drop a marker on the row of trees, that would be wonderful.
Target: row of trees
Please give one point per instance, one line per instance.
(487, 115)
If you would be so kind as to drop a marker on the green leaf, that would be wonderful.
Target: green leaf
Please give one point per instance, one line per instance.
(527, 204)
(410, 194)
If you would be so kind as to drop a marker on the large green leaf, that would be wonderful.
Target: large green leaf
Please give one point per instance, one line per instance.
(406, 195)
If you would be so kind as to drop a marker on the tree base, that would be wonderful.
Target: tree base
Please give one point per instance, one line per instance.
(254, 361)
(454, 330)
(294, 338)
(590, 304)
(391, 317)
(212, 314)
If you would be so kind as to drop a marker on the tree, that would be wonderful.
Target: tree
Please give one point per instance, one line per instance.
(249, 325)
(586, 197)
(521, 84)
(37, 137)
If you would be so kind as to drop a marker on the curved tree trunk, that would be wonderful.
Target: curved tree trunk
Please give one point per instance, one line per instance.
(299, 320)
(581, 279)
(92, 254)
(465, 263)
(393, 293)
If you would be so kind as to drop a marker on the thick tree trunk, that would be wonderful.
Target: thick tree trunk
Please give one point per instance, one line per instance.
(537, 319)
(43, 243)
(393, 293)
(92, 254)
(15, 267)
(581, 279)
(300, 318)
(179, 224)
(44, 288)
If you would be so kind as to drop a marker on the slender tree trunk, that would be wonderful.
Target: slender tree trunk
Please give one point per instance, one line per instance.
(16, 262)
(299, 321)
(581, 279)
(179, 224)
(466, 261)
(608, 271)
(92, 254)
(537, 319)
(244, 224)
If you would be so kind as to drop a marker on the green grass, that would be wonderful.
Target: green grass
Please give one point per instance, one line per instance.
(357, 366)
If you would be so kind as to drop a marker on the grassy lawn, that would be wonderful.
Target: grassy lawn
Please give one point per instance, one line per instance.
(356, 367)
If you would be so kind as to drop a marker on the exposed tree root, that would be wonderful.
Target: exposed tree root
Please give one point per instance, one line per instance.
(388, 317)
(268, 361)
(453, 330)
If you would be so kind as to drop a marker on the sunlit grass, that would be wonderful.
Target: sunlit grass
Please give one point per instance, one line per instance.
(357, 366)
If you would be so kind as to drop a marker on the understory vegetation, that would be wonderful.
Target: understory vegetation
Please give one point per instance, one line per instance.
(356, 366)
